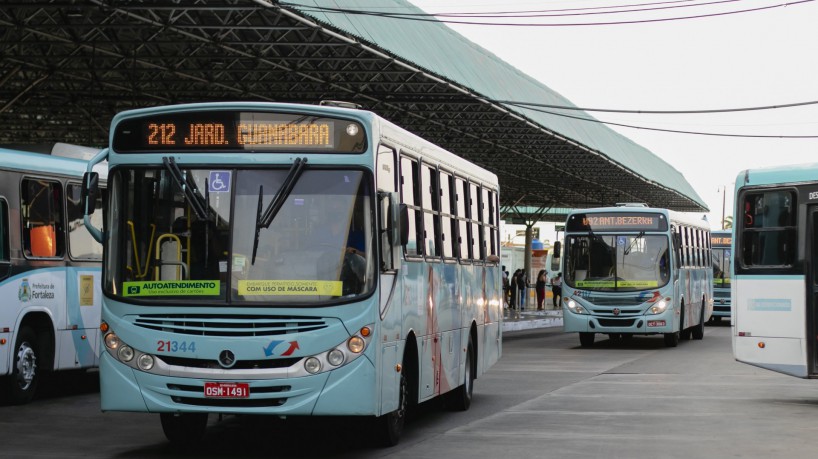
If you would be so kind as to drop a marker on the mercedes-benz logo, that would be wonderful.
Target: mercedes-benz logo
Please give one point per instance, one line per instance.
(227, 359)
(616, 311)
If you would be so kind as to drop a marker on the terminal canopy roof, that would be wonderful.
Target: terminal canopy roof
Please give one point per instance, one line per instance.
(67, 66)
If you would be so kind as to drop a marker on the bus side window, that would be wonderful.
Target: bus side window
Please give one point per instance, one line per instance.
(386, 173)
(41, 208)
(769, 229)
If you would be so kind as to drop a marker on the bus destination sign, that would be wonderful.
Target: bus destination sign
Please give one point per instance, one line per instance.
(721, 241)
(237, 131)
(617, 221)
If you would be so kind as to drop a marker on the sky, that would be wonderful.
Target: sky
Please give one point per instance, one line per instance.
(726, 60)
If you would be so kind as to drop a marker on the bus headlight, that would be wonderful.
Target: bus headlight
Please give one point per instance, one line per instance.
(125, 353)
(574, 307)
(335, 357)
(112, 341)
(145, 362)
(356, 344)
(312, 365)
(660, 306)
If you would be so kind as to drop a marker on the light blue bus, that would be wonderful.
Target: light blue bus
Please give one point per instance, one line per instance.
(721, 242)
(49, 270)
(775, 269)
(292, 260)
(632, 270)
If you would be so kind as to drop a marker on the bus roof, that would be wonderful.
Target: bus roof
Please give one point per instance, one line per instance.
(793, 173)
(26, 161)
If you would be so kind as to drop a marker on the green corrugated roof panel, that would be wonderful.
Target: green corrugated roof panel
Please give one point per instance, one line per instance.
(441, 51)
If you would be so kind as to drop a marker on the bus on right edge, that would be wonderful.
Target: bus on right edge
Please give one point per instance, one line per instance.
(775, 282)
(720, 243)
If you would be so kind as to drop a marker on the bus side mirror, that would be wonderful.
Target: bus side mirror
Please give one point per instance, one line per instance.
(90, 191)
(557, 247)
(403, 224)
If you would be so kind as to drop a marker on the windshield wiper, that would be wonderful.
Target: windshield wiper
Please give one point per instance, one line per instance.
(639, 235)
(264, 221)
(197, 202)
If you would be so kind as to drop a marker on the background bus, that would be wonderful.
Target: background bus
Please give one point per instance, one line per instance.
(636, 270)
(721, 242)
(293, 260)
(49, 270)
(775, 279)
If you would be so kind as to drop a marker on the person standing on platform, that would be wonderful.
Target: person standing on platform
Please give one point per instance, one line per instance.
(513, 290)
(522, 283)
(556, 289)
(542, 279)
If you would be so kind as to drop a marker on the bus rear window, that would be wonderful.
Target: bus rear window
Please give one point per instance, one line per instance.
(768, 231)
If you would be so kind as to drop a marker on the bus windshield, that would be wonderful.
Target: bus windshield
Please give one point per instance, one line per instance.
(617, 263)
(721, 267)
(194, 236)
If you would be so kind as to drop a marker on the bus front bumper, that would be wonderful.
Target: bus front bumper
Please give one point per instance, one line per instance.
(638, 325)
(346, 390)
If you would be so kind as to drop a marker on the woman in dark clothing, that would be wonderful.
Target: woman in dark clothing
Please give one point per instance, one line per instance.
(522, 283)
(540, 287)
(513, 289)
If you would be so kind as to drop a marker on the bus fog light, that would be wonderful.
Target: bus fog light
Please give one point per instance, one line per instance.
(312, 365)
(335, 357)
(125, 353)
(356, 344)
(112, 341)
(145, 362)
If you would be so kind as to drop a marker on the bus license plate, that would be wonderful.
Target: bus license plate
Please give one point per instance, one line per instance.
(226, 390)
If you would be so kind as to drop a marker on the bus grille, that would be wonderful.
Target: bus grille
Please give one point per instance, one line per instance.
(228, 325)
(721, 294)
(267, 364)
(616, 322)
(616, 301)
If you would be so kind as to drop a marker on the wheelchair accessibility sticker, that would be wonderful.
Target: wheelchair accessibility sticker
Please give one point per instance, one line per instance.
(219, 181)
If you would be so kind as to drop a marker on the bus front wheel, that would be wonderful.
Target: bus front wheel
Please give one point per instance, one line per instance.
(586, 339)
(183, 429)
(460, 398)
(390, 425)
(22, 383)
(671, 339)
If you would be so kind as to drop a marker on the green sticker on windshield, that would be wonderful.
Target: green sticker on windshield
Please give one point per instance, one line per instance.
(171, 288)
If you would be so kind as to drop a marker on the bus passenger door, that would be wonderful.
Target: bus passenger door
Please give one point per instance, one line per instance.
(812, 289)
(5, 255)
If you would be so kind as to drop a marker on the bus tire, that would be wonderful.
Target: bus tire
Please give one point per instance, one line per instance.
(389, 427)
(698, 330)
(460, 398)
(586, 339)
(684, 333)
(183, 429)
(22, 383)
(672, 339)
